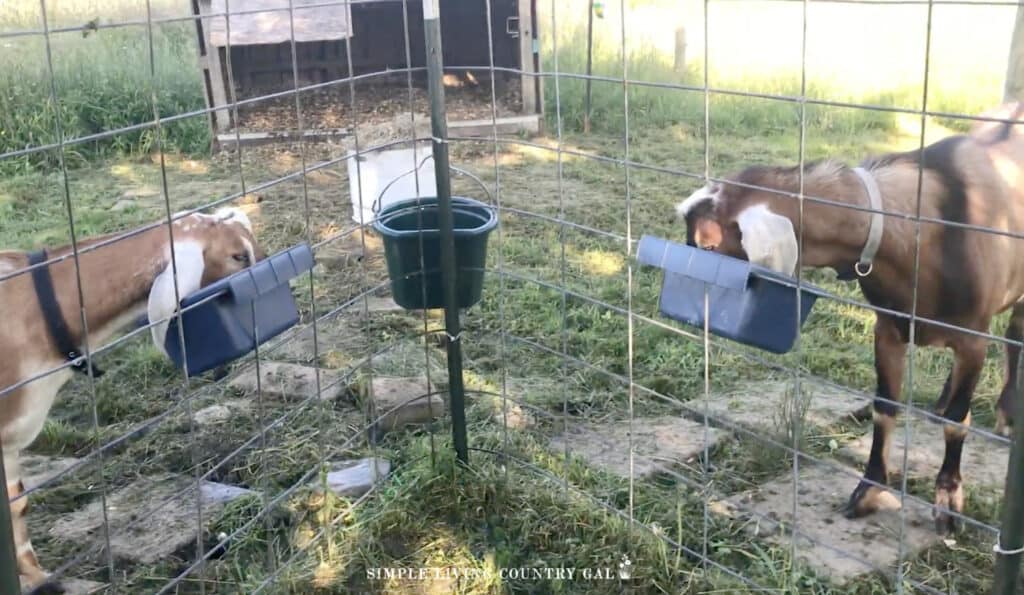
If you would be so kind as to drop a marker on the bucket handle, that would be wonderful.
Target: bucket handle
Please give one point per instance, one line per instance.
(479, 182)
(375, 207)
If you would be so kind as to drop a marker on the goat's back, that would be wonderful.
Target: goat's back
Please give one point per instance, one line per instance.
(1009, 126)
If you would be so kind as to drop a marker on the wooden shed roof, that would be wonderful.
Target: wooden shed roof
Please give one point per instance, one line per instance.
(312, 23)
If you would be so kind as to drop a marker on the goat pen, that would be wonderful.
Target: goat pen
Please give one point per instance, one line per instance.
(372, 448)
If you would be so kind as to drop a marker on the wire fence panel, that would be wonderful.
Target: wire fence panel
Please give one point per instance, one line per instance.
(806, 385)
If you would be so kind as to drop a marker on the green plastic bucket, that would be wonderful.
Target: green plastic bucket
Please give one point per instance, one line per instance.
(408, 224)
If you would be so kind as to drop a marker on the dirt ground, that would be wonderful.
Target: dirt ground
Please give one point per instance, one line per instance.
(331, 108)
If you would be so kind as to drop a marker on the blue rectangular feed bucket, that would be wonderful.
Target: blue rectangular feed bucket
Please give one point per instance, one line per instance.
(223, 326)
(746, 303)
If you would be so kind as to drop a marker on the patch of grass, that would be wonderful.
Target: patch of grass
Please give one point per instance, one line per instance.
(422, 515)
(100, 82)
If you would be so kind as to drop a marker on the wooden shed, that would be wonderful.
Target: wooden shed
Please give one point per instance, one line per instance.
(261, 63)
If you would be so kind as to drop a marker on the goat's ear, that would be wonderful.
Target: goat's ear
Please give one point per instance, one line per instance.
(163, 302)
(707, 233)
(234, 214)
(768, 239)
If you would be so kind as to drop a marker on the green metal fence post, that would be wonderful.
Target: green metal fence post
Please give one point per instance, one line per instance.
(439, 130)
(9, 580)
(1010, 540)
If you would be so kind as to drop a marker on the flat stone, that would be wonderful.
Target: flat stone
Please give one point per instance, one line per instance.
(352, 479)
(288, 382)
(828, 542)
(509, 409)
(332, 335)
(658, 443)
(77, 586)
(514, 415)
(349, 249)
(38, 469)
(760, 405)
(163, 510)
(214, 414)
(374, 305)
(391, 400)
(331, 257)
(983, 463)
(221, 412)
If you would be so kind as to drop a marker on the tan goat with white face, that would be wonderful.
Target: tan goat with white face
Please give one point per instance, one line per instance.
(964, 275)
(120, 281)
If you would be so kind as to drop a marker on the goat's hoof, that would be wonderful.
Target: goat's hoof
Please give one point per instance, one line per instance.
(868, 498)
(46, 586)
(1004, 425)
(946, 524)
(949, 502)
(864, 413)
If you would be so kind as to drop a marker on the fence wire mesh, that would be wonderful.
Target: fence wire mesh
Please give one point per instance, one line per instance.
(652, 454)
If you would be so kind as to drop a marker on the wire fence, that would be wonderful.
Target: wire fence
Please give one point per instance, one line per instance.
(680, 460)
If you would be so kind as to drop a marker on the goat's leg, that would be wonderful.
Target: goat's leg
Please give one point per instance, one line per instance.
(890, 360)
(949, 493)
(867, 411)
(31, 574)
(1010, 395)
(943, 401)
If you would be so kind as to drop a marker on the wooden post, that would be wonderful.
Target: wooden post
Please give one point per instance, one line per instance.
(590, 66)
(680, 61)
(201, 47)
(528, 78)
(210, 59)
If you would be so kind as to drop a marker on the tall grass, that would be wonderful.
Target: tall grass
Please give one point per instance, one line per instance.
(954, 87)
(656, 107)
(103, 82)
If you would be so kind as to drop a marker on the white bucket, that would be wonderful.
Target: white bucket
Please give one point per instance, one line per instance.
(396, 167)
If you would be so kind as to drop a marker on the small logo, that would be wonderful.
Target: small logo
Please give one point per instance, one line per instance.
(625, 568)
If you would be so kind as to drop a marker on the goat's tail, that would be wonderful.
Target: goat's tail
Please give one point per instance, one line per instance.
(990, 132)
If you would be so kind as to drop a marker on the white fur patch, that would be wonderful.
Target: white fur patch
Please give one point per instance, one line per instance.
(7, 267)
(187, 223)
(163, 302)
(708, 192)
(768, 239)
(249, 251)
(23, 429)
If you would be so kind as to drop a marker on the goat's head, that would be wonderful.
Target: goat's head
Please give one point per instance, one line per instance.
(206, 248)
(742, 223)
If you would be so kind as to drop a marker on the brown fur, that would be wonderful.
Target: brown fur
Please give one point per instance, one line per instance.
(965, 276)
(115, 281)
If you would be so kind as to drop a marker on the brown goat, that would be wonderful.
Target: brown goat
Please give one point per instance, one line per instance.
(120, 281)
(965, 276)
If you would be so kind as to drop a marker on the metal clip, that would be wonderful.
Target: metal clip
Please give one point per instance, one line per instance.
(856, 267)
(998, 549)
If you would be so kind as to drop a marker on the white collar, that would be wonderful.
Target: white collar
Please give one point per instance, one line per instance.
(867, 255)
